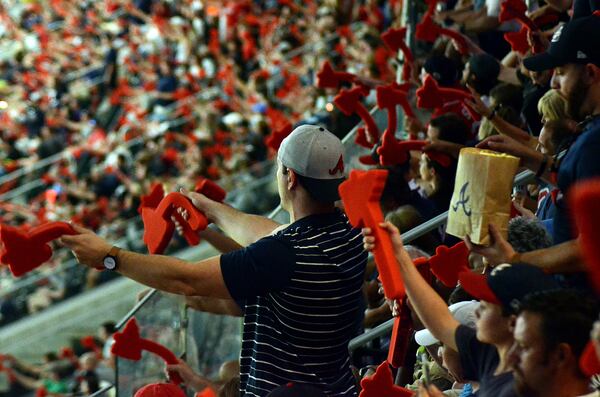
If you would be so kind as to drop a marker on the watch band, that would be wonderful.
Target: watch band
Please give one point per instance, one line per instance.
(114, 251)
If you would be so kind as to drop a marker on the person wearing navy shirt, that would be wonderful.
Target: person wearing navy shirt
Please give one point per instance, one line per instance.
(297, 286)
(574, 54)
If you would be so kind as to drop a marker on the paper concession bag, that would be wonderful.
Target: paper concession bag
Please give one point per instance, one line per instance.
(482, 194)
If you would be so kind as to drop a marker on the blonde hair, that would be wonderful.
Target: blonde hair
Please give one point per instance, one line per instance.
(552, 106)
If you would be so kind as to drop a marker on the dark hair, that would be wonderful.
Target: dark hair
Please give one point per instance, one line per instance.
(567, 317)
(451, 127)
(459, 295)
(506, 94)
(442, 69)
(484, 70)
(109, 327)
(231, 388)
(527, 235)
(561, 132)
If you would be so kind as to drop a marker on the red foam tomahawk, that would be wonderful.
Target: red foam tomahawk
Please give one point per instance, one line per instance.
(432, 96)
(448, 263)
(157, 211)
(517, 9)
(327, 77)
(429, 31)
(382, 384)
(361, 193)
(279, 134)
(588, 362)
(349, 102)
(129, 344)
(395, 39)
(584, 199)
(393, 151)
(518, 40)
(24, 251)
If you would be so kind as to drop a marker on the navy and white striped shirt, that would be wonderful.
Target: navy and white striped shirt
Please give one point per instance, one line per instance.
(301, 294)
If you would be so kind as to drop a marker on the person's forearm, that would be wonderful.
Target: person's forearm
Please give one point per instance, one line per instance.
(481, 24)
(429, 306)
(218, 240)
(508, 129)
(244, 229)
(174, 275)
(214, 305)
(561, 258)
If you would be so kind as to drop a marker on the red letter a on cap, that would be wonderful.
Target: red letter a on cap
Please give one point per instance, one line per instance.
(339, 167)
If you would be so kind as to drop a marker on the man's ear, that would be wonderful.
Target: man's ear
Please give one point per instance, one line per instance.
(592, 73)
(292, 179)
(564, 356)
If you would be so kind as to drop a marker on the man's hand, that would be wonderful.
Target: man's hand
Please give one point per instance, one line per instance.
(499, 250)
(200, 201)
(502, 143)
(430, 391)
(477, 104)
(190, 378)
(369, 239)
(89, 249)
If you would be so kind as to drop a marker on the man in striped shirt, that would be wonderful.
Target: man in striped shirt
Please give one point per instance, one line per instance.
(298, 286)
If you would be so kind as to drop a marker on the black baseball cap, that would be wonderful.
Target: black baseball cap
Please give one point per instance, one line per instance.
(577, 41)
(506, 285)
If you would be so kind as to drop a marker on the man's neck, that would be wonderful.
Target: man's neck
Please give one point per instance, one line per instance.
(303, 208)
(503, 350)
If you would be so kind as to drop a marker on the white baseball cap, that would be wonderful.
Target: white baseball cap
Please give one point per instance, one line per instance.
(463, 312)
(317, 156)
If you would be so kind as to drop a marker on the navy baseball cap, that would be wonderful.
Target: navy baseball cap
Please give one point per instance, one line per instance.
(506, 285)
(577, 41)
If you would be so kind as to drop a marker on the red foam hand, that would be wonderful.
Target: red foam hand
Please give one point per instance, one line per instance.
(129, 344)
(278, 135)
(349, 102)
(382, 384)
(447, 263)
(329, 78)
(516, 9)
(431, 95)
(361, 193)
(24, 250)
(588, 362)
(518, 40)
(585, 201)
(158, 226)
(152, 199)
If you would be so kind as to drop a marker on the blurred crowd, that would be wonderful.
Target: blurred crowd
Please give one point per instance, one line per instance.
(182, 90)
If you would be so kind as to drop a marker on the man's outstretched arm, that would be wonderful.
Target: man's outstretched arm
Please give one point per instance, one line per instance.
(243, 228)
(161, 272)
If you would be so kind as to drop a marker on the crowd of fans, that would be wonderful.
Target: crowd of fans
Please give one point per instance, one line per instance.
(125, 94)
(528, 332)
(80, 369)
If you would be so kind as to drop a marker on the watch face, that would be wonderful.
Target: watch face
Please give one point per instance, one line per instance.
(110, 263)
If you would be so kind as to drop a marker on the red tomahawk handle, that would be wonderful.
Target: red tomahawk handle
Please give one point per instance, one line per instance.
(361, 193)
(349, 102)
